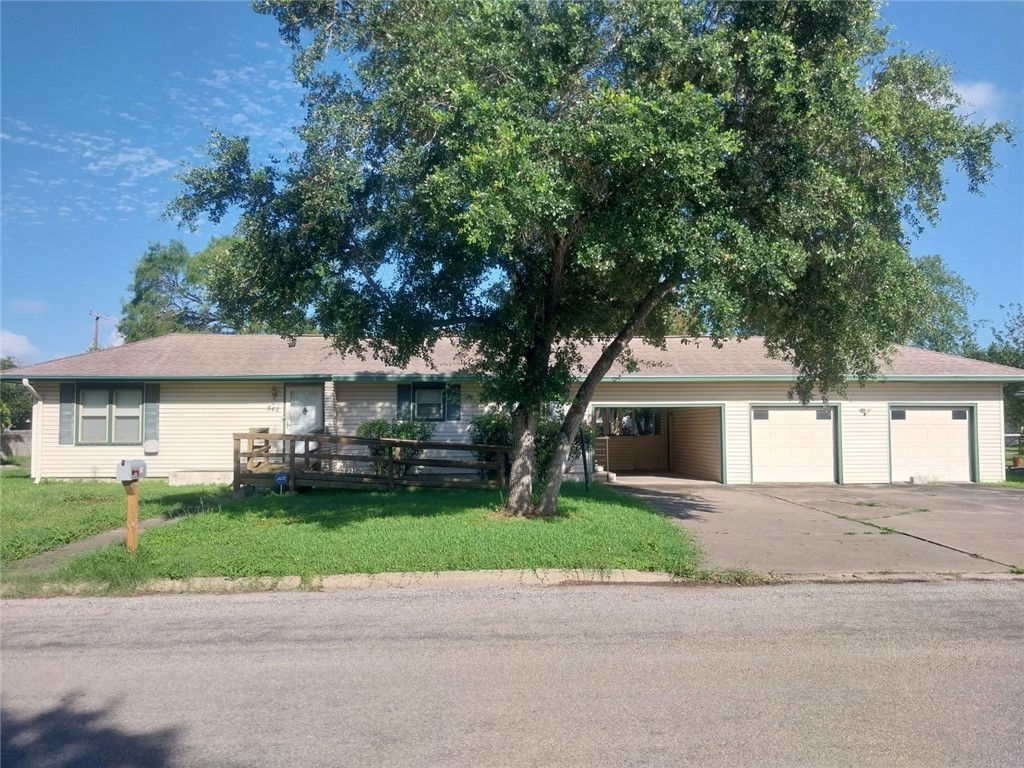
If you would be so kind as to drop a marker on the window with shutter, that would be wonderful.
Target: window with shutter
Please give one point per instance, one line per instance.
(429, 401)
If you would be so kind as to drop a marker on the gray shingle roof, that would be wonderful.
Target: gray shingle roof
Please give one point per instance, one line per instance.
(205, 356)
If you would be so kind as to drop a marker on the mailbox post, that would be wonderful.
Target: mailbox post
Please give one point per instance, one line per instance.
(128, 472)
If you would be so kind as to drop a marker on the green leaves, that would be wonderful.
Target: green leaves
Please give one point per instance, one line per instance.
(528, 176)
(169, 294)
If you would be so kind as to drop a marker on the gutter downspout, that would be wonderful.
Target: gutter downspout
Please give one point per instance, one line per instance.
(37, 430)
(31, 389)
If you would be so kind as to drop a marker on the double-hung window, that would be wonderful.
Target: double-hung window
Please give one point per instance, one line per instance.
(110, 416)
(430, 401)
(428, 404)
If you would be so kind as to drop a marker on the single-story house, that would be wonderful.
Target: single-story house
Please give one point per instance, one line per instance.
(719, 414)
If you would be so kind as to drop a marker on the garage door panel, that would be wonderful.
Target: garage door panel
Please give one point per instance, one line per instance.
(930, 443)
(792, 445)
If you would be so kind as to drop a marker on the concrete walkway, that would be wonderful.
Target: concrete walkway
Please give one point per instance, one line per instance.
(47, 560)
(829, 529)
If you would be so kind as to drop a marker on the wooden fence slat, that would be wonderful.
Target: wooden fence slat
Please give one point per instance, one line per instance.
(258, 464)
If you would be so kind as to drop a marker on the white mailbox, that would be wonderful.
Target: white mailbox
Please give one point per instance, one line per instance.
(130, 469)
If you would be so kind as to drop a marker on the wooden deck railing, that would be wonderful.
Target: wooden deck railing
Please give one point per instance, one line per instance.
(342, 461)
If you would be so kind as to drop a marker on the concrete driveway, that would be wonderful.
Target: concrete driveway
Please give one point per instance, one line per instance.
(830, 529)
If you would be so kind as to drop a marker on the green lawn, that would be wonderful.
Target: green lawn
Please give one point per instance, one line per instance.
(37, 518)
(1013, 480)
(335, 532)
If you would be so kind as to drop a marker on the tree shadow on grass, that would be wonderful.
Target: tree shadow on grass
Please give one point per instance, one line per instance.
(69, 735)
(332, 508)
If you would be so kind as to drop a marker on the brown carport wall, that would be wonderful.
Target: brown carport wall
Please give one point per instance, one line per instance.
(695, 447)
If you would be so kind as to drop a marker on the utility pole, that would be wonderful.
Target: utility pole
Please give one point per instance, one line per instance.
(96, 327)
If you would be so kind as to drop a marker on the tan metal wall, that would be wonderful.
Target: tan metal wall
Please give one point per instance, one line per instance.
(637, 452)
(696, 449)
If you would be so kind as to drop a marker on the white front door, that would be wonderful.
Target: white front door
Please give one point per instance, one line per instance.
(934, 443)
(305, 412)
(793, 445)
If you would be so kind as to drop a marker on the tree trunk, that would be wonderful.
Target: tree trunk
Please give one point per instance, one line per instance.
(574, 417)
(556, 470)
(520, 483)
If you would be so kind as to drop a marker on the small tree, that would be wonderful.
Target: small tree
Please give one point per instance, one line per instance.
(1007, 348)
(946, 324)
(401, 429)
(169, 293)
(15, 401)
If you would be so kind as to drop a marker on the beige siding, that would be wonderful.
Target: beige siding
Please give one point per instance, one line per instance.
(863, 427)
(696, 443)
(38, 411)
(196, 423)
(197, 419)
(356, 403)
(359, 402)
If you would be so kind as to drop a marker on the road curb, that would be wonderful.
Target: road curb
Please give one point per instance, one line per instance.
(545, 577)
(891, 578)
(548, 577)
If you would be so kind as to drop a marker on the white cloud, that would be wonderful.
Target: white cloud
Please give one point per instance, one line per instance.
(28, 306)
(136, 162)
(115, 339)
(985, 100)
(17, 346)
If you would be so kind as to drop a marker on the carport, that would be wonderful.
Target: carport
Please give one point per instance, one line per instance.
(685, 440)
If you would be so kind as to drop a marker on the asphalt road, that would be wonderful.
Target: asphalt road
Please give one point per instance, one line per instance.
(798, 675)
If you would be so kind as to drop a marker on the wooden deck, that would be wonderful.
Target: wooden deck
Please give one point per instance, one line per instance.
(341, 461)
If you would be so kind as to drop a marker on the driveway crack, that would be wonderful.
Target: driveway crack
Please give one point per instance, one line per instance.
(883, 528)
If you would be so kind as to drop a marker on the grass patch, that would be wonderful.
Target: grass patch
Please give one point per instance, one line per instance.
(867, 504)
(335, 532)
(12, 462)
(37, 518)
(1014, 479)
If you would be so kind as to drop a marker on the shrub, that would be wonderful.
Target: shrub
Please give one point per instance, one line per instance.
(496, 429)
(400, 429)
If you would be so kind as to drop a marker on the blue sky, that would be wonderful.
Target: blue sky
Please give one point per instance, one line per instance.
(102, 103)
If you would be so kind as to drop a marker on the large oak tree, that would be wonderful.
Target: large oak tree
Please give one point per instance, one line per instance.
(531, 177)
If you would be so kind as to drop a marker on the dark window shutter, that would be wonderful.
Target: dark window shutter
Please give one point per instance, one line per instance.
(151, 420)
(405, 401)
(67, 414)
(453, 402)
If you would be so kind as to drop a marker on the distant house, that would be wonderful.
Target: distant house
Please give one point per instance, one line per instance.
(694, 410)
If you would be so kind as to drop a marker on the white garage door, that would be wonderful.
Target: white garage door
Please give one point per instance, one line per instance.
(793, 445)
(931, 442)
